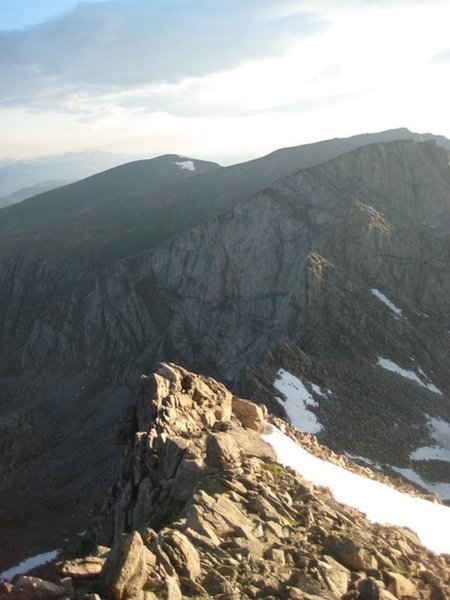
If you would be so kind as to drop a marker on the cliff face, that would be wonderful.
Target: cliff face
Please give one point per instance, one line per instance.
(378, 216)
(285, 280)
(202, 509)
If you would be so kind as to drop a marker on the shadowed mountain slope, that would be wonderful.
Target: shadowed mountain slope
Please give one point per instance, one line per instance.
(29, 192)
(16, 174)
(137, 206)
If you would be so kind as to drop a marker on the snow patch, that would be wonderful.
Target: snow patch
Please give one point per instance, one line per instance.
(441, 488)
(187, 165)
(317, 390)
(395, 309)
(440, 432)
(298, 398)
(430, 385)
(433, 388)
(364, 459)
(431, 453)
(29, 563)
(381, 503)
(390, 365)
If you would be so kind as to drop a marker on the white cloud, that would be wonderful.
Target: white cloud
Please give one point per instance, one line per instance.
(119, 44)
(358, 69)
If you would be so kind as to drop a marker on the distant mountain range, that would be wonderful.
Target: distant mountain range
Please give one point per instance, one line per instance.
(29, 192)
(133, 207)
(321, 269)
(28, 173)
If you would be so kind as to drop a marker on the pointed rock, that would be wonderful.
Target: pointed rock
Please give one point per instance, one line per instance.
(183, 555)
(125, 571)
(222, 450)
(400, 586)
(173, 589)
(249, 414)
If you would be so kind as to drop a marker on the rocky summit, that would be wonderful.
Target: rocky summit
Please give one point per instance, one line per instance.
(314, 280)
(202, 509)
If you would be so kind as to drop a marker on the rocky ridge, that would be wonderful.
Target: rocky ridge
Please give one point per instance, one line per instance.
(202, 509)
(281, 279)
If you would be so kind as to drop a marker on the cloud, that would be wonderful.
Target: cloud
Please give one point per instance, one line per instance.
(175, 76)
(441, 57)
(272, 84)
(120, 44)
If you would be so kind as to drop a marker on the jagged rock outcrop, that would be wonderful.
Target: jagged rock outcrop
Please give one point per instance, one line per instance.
(181, 428)
(238, 524)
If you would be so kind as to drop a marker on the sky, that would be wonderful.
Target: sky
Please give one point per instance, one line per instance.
(224, 80)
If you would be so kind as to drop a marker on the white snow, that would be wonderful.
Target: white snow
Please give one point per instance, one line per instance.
(381, 503)
(390, 365)
(433, 388)
(185, 164)
(297, 401)
(428, 383)
(364, 459)
(440, 488)
(317, 389)
(440, 432)
(431, 453)
(386, 301)
(29, 563)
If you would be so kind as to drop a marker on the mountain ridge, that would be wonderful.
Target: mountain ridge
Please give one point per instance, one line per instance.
(203, 507)
(155, 217)
(282, 280)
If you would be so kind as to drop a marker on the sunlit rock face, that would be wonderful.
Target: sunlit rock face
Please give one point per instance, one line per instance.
(213, 500)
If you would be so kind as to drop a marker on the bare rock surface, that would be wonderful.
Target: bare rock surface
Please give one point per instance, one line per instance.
(246, 527)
